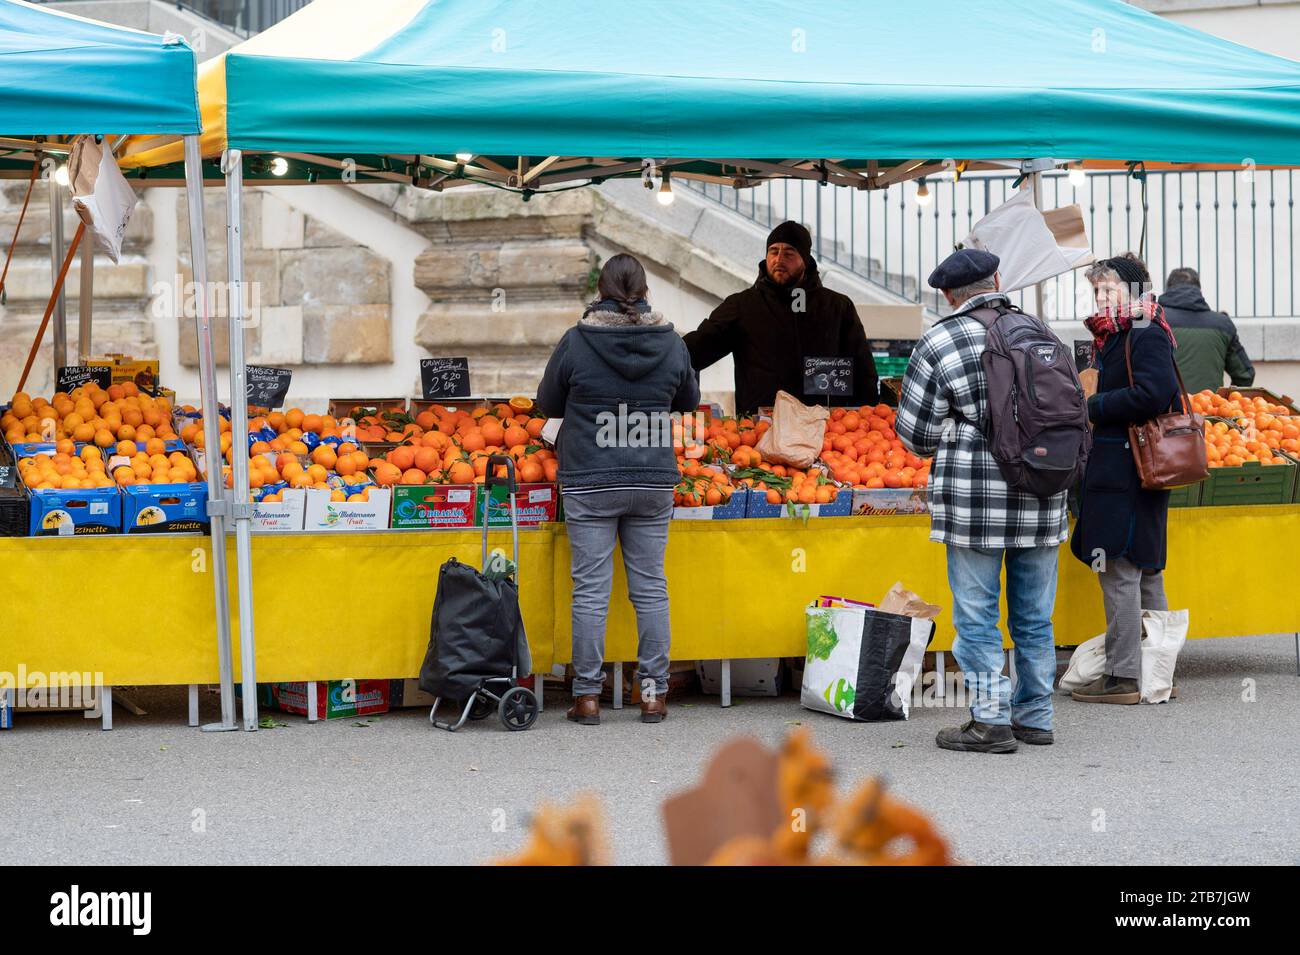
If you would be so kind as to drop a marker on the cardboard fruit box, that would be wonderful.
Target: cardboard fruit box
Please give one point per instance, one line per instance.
(341, 408)
(80, 511)
(434, 505)
(759, 506)
(322, 514)
(165, 508)
(534, 504)
(1285, 400)
(734, 508)
(335, 699)
(886, 501)
(285, 515)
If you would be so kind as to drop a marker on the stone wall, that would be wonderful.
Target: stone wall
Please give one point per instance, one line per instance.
(314, 296)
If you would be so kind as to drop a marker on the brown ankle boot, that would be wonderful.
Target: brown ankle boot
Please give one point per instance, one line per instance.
(585, 710)
(656, 710)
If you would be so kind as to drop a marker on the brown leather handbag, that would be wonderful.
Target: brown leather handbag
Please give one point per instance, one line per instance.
(1169, 450)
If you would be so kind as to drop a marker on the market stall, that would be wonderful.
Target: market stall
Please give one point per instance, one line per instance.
(441, 95)
(66, 75)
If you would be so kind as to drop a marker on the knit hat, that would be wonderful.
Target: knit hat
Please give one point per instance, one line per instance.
(1131, 271)
(794, 235)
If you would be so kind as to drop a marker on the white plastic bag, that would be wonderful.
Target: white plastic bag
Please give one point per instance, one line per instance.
(1163, 634)
(1032, 245)
(100, 193)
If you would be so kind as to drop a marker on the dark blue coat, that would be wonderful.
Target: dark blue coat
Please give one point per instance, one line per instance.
(1116, 515)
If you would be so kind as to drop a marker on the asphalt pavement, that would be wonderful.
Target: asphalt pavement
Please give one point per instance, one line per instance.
(1210, 778)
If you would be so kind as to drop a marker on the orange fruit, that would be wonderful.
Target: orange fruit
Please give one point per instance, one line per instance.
(515, 436)
(413, 476)
(387, 473)
(402, 458)
(461, 472)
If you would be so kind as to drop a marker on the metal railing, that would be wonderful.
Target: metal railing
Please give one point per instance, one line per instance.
(1236, 228)
(244, 16)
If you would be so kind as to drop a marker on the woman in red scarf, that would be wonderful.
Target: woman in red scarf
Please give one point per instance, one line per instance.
(1121, 529)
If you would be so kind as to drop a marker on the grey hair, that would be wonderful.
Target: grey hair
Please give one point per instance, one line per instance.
(1100, 272)
(978, 287)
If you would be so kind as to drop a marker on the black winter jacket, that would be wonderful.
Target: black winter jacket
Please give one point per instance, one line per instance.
(769, 338)
(1116, 516)
(614, 379)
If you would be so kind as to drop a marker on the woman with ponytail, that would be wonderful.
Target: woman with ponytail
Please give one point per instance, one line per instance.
(615, 378)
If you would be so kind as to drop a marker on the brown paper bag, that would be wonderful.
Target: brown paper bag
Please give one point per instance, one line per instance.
(796, 434)
(902, 601)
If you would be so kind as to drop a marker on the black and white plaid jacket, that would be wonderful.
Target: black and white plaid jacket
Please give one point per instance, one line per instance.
(943, 391)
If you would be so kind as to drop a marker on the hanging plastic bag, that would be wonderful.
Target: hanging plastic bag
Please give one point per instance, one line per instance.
(1163, 634)
(1033, 246)
(796, 434)
(100, 193)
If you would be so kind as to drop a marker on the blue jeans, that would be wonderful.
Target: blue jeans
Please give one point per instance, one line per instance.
(974, 575)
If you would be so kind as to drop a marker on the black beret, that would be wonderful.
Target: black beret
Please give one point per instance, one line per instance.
(962, 268)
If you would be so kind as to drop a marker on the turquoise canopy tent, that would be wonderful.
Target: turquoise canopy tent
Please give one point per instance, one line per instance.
(63, 76)
(62, 73)
(755, 83)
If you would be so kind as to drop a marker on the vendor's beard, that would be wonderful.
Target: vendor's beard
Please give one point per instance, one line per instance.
(790, 278)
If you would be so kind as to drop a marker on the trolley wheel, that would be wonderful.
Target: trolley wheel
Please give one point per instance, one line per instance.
(482, 707)
(518, 708)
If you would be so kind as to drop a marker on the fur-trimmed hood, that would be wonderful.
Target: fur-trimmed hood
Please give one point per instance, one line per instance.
(608, 318)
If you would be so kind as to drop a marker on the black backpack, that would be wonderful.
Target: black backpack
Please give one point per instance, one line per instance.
(1037, 423)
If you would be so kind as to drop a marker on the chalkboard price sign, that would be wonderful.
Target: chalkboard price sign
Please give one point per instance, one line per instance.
(8, 476)
(1082, 354)
(444, 377)
(267, 387)
(74, 376)
(828, 376)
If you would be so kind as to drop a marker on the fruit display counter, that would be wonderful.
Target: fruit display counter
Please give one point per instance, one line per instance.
(738, 589)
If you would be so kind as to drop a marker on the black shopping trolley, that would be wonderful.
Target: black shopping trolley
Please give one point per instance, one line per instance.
(477, 646)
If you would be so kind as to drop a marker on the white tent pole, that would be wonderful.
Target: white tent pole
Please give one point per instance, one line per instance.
(56, 265)
(85, 297)
(1036, 184)
(211, 429)
(234, 168)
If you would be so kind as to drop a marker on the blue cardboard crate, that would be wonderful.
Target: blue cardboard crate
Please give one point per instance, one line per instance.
(81, 511)
(732, 510)
(164, 508)
(758, 506)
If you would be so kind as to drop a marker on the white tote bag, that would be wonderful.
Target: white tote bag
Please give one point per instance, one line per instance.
(1163, 634)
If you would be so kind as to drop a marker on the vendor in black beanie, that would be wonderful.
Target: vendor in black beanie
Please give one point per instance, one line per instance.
(787, 315)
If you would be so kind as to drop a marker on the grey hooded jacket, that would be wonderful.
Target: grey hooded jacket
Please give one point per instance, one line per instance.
(614, 378)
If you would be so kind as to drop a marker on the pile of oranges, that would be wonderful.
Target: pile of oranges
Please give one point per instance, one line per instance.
(1262, 431)
(444, 445)
(64, 470)
(149, 463)
(862, 450)
(702, 485)
(89, 414)
(339, 467)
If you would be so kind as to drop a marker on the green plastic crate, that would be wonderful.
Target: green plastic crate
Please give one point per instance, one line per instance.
(1251, 483)
(1189, 496)
(888, 366)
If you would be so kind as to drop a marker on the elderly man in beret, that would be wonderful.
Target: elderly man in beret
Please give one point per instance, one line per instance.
(787, 315)
(983, 522)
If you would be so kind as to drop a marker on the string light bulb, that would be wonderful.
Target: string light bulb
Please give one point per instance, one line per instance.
(923, 197)
(1077, 175)
(279, 166)
(665, 191)
(61, 175)
(463, 158)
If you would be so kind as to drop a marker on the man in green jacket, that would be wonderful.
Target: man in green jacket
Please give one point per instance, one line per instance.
(1207, 340)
